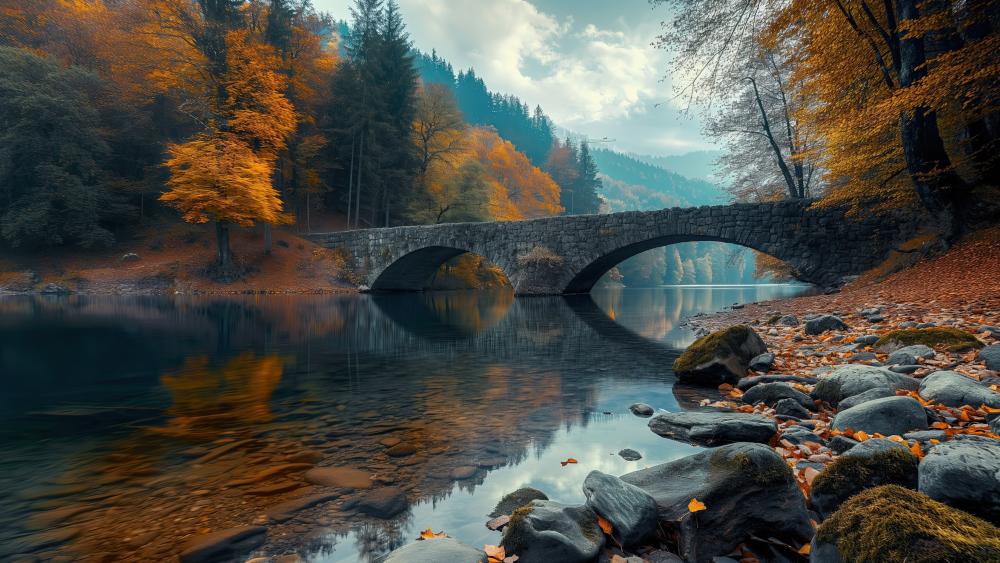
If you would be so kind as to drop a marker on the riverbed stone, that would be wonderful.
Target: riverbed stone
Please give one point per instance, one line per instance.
(517, 499)
(641, 409)
(713, 428)
(747, 489)
(908, 355)
(720, 357)
(853, 379)
(888, 416)
(788, 320)
(790, 407)
(955, 390)
(436, 550)
(342, 477)
(223, 545)
(464, 472)
(288, 509)
(964, 473)
(401, 450)
(385, 502)
(871, 463)
(824, 323)
(771, 393)
(893, 523)
(990, 356)
(752, 381)
(545, 531)
(630, 510)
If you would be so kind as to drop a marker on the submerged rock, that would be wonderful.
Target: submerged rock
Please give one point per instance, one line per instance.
(631, 511)
(545, 532)
(629, 454)
(343, 477)
(436, 550)
(641, 409)
(888, 416)
(747, 489)
(383, 503)
(964, 473)
(223, 545)
(720, 357)
(713, 428)
(955, 390)
(892, 523)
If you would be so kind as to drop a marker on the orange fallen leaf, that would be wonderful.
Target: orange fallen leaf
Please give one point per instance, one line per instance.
(567, 462)
(606, 526)
(804, 550)
(940, 425)
(429, 534)
(497, 554)
(696, 505)
(917, 450)
(861, 436)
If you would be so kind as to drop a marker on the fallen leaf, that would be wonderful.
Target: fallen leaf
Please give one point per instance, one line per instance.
(804, 550)
(498, 522)
(606, 526)
(567, 462)
(861, 436)
(696, 505)
(940, 425)
(917, 450)
(429, 534)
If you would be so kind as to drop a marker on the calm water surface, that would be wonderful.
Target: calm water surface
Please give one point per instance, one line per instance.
(128, 424)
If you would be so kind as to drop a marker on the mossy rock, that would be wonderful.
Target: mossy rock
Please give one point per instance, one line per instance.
(720, 357)
(951, 338)
(517, 499)
(850, 475)
(892, 523)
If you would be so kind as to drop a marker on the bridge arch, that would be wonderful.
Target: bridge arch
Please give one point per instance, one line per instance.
(414, 270)
(588, 276)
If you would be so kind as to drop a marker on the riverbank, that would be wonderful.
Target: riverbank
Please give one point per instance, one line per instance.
(170, 258)
(857, 426)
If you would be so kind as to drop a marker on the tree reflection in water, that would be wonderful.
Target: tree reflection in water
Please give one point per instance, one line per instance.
(211, 414)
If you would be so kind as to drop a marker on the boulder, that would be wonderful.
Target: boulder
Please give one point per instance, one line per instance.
(866, 339)
(990, 356)
(629, 509)
(383, 503)
(713, 428)
(771, 393)
(869, 395)
(892, 523)
(800, 435)
(720, 357)
(748, 382)
(517, 499)
(888, 416)
(908, 355)
(964, 473)
(955, 390)
(763, 362)
(790, 407)
(641, 409)
(747, 489)
(841, 444)
(436, 550)
(223, 545)
(905, 369)
(853, 379)
(824, 323)
(871, 463)
(628, 454)
(545, 531)
(952, 339)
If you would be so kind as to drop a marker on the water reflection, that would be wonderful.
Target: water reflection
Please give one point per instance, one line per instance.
(133, 424)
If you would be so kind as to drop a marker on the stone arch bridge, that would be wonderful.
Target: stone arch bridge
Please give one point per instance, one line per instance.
(568, 254)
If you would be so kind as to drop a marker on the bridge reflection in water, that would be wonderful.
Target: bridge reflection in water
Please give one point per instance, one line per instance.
(163, 418)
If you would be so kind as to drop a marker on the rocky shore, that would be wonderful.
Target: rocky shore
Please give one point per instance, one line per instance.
(862, 426)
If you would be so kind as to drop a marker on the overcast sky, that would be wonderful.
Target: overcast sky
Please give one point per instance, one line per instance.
(588, 63)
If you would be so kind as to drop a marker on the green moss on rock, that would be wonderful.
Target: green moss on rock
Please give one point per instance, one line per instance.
(892, 523)
(951, 338)
(848, 476)
(711, 346)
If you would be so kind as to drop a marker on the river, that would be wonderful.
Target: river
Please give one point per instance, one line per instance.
(127, 424)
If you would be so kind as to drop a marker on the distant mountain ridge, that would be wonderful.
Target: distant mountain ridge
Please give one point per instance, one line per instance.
(696, 164)
(659, 185)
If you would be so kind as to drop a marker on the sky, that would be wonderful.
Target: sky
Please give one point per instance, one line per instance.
(588, 63)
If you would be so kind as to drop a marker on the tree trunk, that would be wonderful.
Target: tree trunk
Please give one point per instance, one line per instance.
(222, 242)
(774, 144)
(267, 239)
(361, 168)
(937, 184)
(350, 186)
